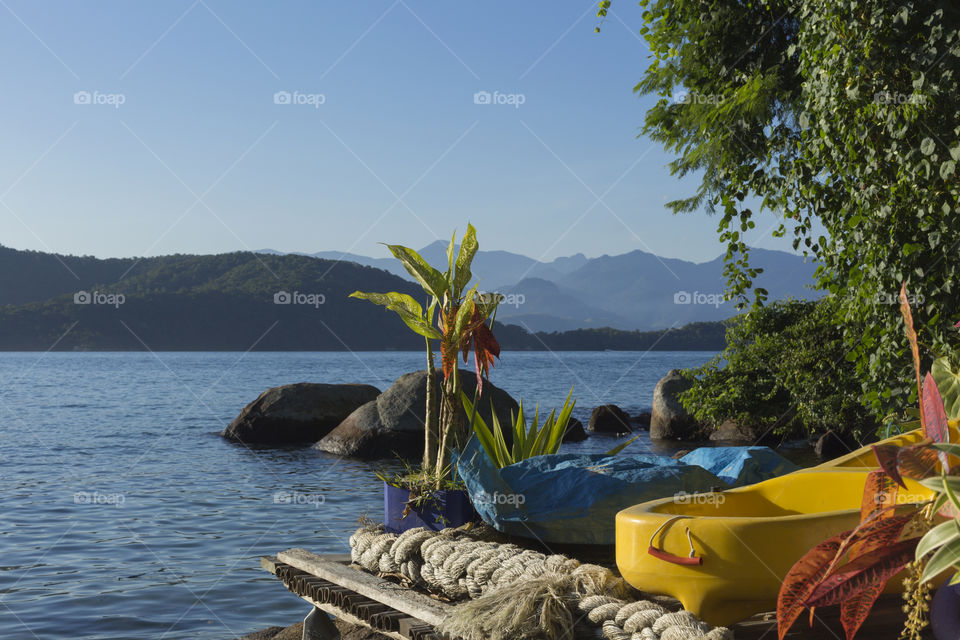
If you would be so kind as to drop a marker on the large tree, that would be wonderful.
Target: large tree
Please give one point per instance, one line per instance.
(845, 113)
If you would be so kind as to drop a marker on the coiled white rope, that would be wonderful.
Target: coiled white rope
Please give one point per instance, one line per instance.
(461, 564)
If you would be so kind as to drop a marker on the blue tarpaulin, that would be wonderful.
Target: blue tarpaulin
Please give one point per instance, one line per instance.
(739, 466)
(573, 498)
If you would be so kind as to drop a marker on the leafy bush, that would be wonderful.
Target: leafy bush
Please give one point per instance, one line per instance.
(784, 370)
(839, 118)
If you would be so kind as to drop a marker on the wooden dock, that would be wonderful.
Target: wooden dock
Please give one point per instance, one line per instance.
(330, 583)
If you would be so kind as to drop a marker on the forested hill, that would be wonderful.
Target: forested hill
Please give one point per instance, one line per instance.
(239, 301)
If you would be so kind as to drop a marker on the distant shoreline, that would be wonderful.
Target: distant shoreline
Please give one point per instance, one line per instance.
(363, 350)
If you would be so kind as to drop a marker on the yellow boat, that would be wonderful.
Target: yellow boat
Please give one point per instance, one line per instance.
(725, 554)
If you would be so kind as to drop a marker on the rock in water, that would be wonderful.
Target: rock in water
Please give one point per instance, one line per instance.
(833, 445)
(392, 425)
(299, 413)
(669, 420)
(731, 431)
(574, 432)
(609, 418)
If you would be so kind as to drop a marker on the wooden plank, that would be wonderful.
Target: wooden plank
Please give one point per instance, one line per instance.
(391, 594)
(340, 614)
(269, 563)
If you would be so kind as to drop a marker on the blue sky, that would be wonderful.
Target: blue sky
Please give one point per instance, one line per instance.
(185, 146)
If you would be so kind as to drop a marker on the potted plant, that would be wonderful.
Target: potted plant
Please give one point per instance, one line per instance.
(431, 496)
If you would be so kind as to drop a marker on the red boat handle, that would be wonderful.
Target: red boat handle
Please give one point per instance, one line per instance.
(691, 560)
(669, 557)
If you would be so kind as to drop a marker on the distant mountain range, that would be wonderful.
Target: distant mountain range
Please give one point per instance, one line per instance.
(632, 291)
(241, 301)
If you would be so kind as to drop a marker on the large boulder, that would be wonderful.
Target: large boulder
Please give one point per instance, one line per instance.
(609, 418)
(299, 413)
(392, 425)
(669, 420)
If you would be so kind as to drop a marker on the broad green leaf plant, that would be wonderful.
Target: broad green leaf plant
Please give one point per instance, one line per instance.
(461, 324)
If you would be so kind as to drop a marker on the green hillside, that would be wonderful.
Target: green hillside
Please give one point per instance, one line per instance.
(238, 301)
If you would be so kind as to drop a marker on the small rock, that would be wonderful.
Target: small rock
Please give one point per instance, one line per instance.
(299, 413)
(832, 445)
(669, 420)
(609, 418)
(642, 419)
(347, 631)
(270, 633)
(730, 431)
(575, 432)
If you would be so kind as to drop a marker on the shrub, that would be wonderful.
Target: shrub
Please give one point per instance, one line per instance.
(784, 370)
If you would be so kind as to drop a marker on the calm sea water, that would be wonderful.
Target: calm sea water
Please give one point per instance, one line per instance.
(125, 515)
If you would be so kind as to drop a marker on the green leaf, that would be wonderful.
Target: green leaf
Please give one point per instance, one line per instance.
(947, 447)
(947, 169)
(556, 437)
(620, 447)
(480, 428)
(503, 453)
(464, 314)
(432, 281)
(948, 382)
(450, 270)
(937, 537)
(468, 249)
(927, 146)
(406, 307)
(946, 556)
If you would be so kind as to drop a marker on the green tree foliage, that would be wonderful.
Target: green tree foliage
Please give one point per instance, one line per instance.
(842, 113)
(784, 371)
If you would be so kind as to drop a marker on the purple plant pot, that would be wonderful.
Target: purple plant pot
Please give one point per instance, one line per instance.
(445, 509)
(945, 612)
